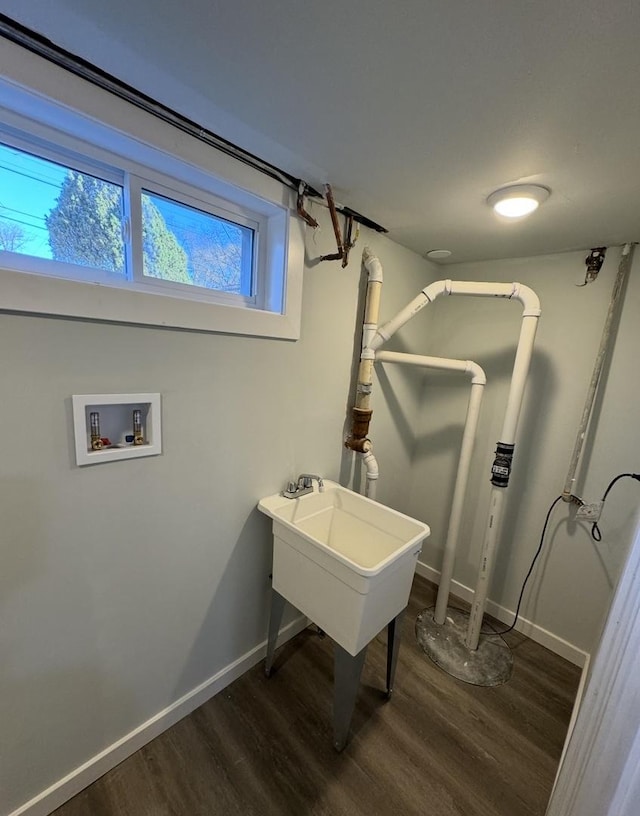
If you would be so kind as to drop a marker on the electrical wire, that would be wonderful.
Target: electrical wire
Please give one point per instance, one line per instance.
(596, 535)
(45, 48)
(524, 583)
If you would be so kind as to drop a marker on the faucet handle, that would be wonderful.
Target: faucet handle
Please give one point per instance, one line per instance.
(305, 480)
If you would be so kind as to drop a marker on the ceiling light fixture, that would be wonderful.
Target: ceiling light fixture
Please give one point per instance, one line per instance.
(518, 200)
(438, 254)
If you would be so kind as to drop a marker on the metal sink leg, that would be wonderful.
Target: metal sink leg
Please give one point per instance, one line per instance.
(346, 680)
(278, 604)
(394, 629)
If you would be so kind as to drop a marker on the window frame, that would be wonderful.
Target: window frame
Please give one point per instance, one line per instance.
(209, 205)
(189, 170)
(33, 264)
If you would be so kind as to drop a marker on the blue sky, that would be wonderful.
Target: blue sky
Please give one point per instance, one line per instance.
(29, 187)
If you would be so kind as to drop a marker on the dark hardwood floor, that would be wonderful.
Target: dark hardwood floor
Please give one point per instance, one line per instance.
(439, 747)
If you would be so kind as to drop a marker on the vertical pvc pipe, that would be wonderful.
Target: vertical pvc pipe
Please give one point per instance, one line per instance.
(496, 500)
(457, 505)
(371, 466)
(494, 520)
(466, 449)
(370, 324)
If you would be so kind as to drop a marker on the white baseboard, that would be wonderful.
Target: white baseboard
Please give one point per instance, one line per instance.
(542, 636)
(62, 790)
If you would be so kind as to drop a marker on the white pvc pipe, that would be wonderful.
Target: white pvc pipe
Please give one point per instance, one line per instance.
(524, 352)
(441, 363)
(457, 504)
(623, 271)
(496, 500)
(371, 311)
(371, 465)
(511, 291)
(492, 531)
(531, 313)
(370, 324)
(478, 381)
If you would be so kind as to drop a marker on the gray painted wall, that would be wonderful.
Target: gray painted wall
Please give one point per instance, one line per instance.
(571, 588)
(127, 584)
(124, 585)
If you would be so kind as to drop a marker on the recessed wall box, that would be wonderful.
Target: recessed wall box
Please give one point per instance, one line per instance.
(116, 423)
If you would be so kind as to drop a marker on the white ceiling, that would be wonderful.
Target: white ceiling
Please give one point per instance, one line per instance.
(415, 110)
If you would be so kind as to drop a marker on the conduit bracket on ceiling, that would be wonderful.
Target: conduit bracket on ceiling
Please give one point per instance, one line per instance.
(593, 261)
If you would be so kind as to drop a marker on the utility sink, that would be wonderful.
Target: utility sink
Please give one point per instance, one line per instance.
(345, 561)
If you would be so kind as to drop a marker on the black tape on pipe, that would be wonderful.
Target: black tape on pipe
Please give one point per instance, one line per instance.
(501, 468)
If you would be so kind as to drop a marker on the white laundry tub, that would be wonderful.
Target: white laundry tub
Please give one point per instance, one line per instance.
(345, 561)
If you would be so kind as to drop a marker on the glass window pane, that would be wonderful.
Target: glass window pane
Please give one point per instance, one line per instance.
(50, 211)
(186, 245)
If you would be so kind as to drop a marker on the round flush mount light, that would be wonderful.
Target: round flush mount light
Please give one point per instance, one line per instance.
(518, 199)
(438, 254)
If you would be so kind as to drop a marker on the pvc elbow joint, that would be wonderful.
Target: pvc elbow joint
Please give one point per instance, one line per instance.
(478, 377)
(372, 265)
(528, 298)
(371, 464)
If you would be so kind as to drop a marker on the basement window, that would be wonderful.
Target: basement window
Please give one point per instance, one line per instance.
(100, 224)
(68, 222)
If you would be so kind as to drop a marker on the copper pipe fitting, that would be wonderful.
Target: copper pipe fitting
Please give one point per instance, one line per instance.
(358, 445)
(359, 429)
(307, 217)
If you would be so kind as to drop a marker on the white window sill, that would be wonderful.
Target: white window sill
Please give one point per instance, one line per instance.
(39, 295)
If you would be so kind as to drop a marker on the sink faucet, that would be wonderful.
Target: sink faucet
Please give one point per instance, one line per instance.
(302, 486)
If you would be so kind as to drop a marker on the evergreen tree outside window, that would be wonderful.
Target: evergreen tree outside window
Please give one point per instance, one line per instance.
(86, 223)
(52, 211)
(218, 252)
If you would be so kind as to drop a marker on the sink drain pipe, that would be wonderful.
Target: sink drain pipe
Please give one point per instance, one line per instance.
(358, 439)
(501, 469)
(478, 382)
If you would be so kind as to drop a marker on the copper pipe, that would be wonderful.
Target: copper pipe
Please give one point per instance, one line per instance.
(309, 219)
(334, 217)
(335, 256)
(347, 244)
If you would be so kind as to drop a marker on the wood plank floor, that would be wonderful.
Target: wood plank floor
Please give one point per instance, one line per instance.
(439, 747)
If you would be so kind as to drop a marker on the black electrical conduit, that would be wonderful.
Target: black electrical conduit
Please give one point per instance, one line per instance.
(37, 44)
